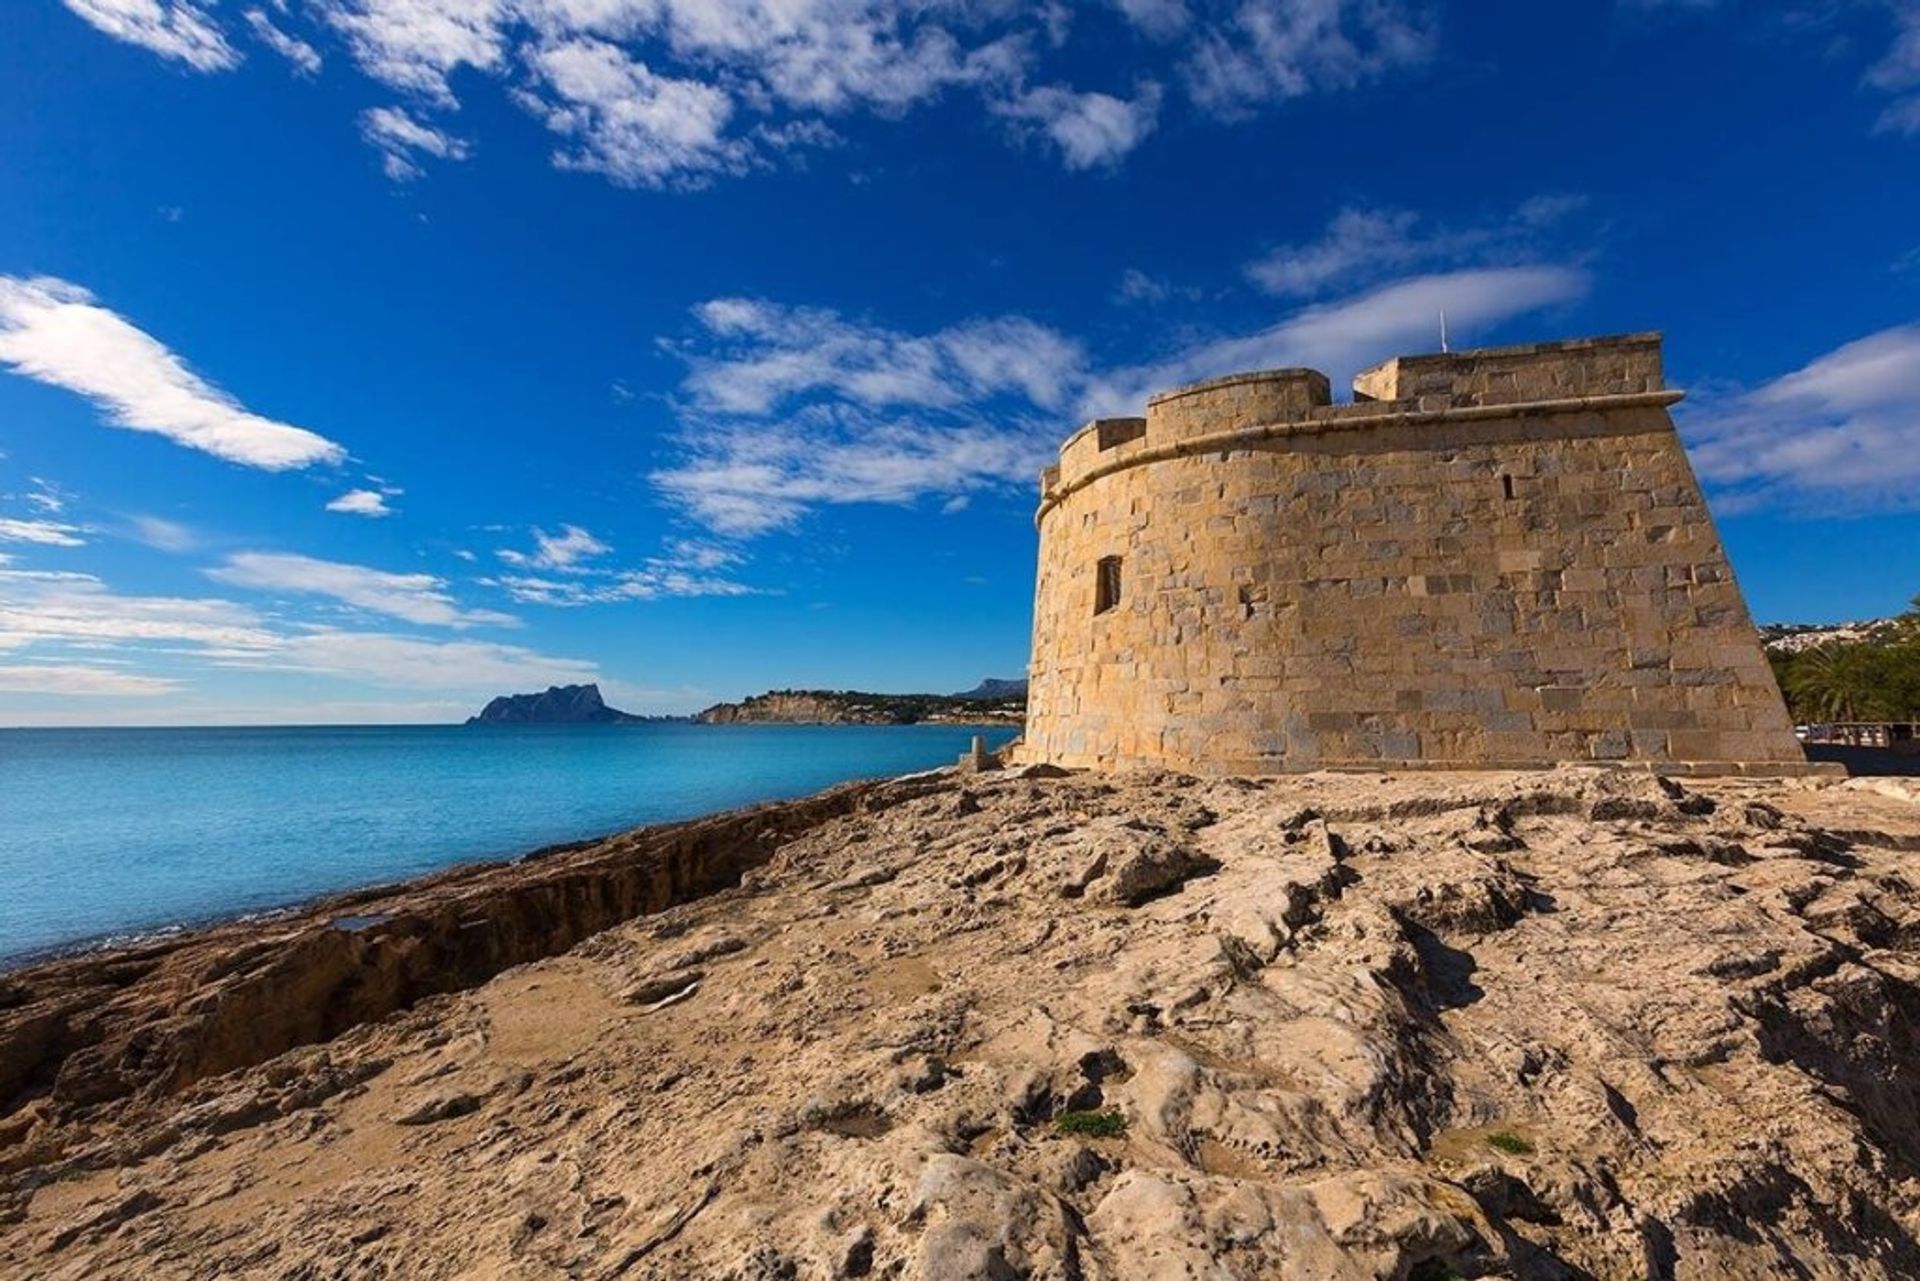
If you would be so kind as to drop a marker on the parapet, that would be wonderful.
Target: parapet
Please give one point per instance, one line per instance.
(1221, 404)
(1617, 366)
(1209, 415)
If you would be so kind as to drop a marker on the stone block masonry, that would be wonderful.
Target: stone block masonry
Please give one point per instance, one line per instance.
(1489, 559)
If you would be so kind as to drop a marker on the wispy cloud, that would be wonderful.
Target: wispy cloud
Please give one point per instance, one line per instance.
(68, 679)
(46, 496)
(403, 139)
(57, 333)
(182, 30)
(1839, 436)
(674, 93)
(1898, 71)
(304, 57)
(414, 598)
(630, 123)
(1088, 129)
(37, 606)
(410, 662)
(47, 533)
(162, 534)
(756, 354)
(65, 613)
(561, 572)
(1341, 338)
(362, 502)
(1371, 244)
(1265, 51)
(789, 409)
(564, 551)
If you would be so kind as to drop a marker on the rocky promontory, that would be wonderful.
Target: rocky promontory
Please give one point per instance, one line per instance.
(557, 705)
(1575, 1024)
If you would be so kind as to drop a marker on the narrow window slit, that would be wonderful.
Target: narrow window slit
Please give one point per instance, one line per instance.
(1506, 484)
(1106, 584)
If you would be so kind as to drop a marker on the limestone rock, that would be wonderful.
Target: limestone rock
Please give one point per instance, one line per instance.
(1340, 1026)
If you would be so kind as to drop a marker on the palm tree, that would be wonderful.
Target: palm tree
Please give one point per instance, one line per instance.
(1839, 683)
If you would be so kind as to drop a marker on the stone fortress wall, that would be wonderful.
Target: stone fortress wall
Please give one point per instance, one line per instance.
(1493, 558)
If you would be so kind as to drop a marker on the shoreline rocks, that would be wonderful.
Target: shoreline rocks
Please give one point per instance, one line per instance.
(1560, 1024)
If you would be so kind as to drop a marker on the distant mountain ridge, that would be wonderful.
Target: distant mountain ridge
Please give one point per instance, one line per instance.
(557, 705)
(997, 687)
(854, 707)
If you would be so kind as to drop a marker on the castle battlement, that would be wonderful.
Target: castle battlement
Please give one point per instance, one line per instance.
(1488, 558)
(1551, 377)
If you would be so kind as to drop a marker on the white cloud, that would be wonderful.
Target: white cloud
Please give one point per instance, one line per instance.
(361, 502)
(1271, 50)
(78, 608)
(412, 663)
(401, 140)
(684, 567)
(1090, 129)
(1898, 72)
(563, 551)
(1840, 434)
(55, 332)
(78, 612)
(46, 496)
(304, 57)
(752, 479)
(182, 30)
(1159, 19)
(765, 353)
(415, 598)
(1370, 244)
(162, 534)
(47, 533)
(789, 409)
(68, 679)
(634, 126)
(674, 93)
(656, 581)
(415, 45)
(1341, 338)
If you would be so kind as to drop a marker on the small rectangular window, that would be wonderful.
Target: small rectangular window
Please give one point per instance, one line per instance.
(1506, 487)
(1106, 585)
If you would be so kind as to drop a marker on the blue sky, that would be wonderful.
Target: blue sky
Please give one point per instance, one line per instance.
(361, 359)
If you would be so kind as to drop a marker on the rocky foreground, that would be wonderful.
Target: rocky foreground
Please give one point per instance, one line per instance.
(1545, 1025)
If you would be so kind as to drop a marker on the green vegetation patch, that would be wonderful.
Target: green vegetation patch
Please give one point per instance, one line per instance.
(1092, 1125)
(1510, 1143)
(1876, 678)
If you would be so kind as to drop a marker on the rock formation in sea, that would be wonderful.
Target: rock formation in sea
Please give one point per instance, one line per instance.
(1024, 1024)
(558, 705)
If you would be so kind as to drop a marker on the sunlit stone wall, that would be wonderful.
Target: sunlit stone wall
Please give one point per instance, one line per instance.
(1492, 558)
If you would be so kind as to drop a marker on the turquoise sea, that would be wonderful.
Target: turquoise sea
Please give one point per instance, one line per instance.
(106, 833)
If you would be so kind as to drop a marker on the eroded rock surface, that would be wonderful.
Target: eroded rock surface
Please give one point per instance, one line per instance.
(1569, 1024)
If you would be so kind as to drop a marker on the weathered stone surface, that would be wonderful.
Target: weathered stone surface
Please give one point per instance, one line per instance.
(1415, 1026)
(1501, 559)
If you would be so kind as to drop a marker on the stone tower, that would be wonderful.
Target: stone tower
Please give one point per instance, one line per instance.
(1489, 559)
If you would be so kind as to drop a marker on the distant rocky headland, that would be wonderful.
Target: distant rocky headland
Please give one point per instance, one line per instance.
(993, 701)
(558, 705)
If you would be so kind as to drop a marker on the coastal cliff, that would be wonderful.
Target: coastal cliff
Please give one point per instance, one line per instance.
(1019, 1024)
(557, 705)
(851, 707)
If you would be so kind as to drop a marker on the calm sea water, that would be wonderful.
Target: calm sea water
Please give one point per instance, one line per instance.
(110, 832)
